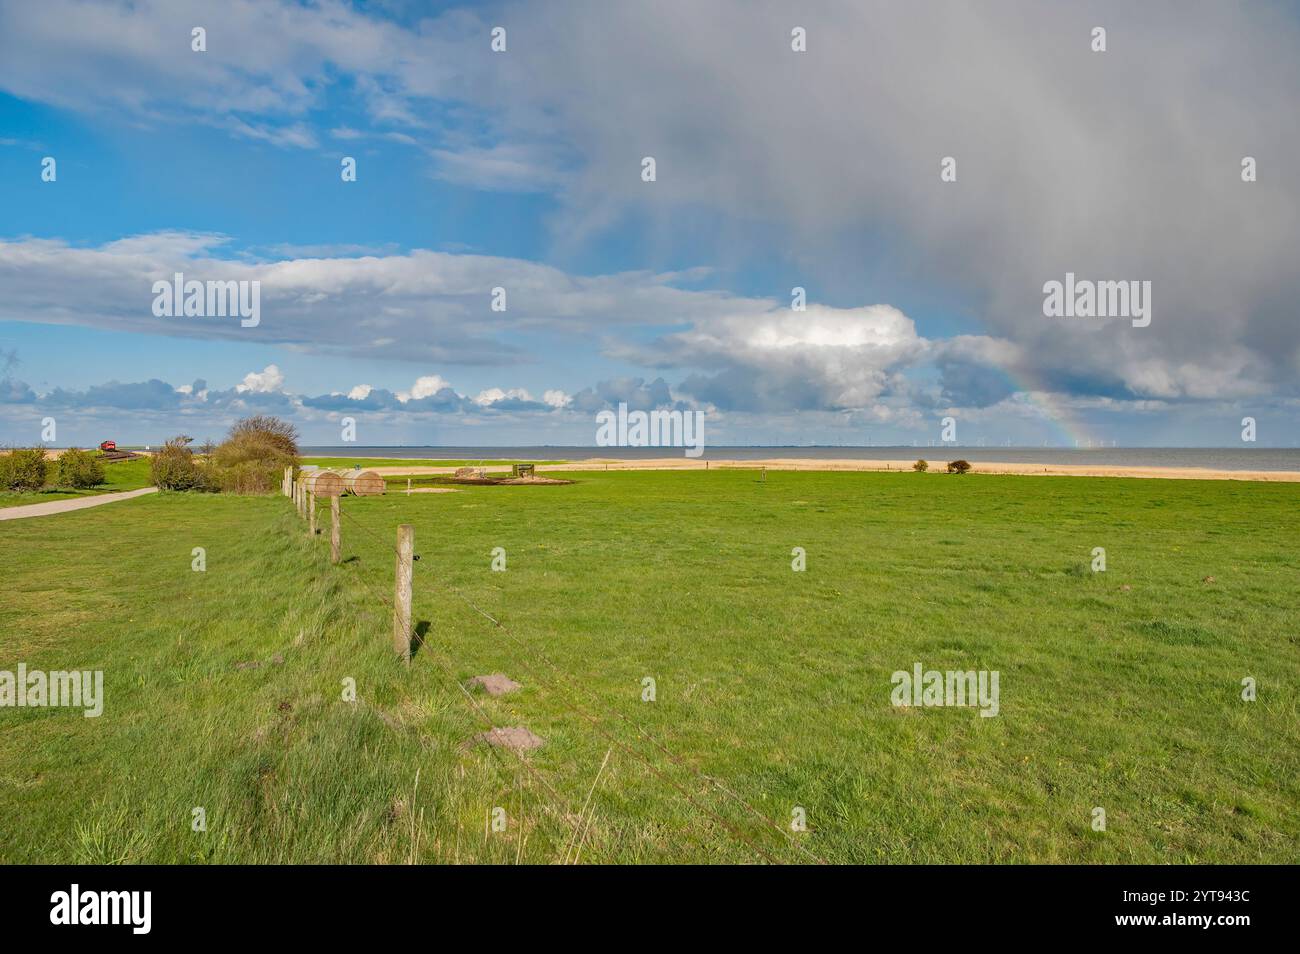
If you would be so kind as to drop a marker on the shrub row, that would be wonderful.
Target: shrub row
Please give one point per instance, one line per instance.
(250, 460)
(954, 467)
(26, 468)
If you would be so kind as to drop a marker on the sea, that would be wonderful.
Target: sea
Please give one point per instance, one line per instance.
(1214, 458)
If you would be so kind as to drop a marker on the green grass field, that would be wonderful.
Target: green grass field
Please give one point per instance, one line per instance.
(1119, 690)
(407, 461)
(122, 475)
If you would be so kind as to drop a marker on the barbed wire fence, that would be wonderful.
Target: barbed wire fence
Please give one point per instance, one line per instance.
(562, 688)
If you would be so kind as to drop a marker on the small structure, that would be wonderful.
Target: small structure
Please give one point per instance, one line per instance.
(522, 470)
(323, 483)
(365, 483)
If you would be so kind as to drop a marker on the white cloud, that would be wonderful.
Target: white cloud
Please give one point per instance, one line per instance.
(494, 395)
(268, 380)
(504, 166)
(828, 357)
(425, 386)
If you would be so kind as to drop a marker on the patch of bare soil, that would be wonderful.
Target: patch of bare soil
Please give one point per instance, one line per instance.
(516, 738)
(501, 480)
(532, 480)
(495, 684)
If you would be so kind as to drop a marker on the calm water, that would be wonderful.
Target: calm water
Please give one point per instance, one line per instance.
(1216, 458)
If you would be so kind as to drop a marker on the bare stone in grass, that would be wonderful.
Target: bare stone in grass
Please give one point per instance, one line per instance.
(516, 738)
(495, 684)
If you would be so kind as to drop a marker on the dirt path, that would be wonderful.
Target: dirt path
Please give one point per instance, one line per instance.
(62, 506)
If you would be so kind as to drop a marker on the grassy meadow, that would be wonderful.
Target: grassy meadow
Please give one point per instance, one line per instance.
(1120, 689)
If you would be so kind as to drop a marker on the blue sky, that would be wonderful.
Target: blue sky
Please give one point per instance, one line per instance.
(775, 168)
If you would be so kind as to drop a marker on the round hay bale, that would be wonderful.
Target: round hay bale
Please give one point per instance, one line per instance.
(323, 483)
(365, 483)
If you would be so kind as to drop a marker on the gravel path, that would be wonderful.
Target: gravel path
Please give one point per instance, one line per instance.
(62, 506)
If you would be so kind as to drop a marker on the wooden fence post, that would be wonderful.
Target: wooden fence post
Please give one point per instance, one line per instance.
(286, 485)
(334, 530)
(408, 486)
(311, 514)
(402, 593)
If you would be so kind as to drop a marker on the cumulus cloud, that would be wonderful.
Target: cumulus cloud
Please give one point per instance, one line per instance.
(264, 391)
(635, 392)
(779, 358)
(268, 380)
(424, 387)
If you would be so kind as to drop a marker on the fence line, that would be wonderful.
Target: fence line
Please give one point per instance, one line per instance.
(478, 709)
(574, 707)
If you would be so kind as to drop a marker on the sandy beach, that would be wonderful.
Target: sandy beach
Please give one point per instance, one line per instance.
(797, 463)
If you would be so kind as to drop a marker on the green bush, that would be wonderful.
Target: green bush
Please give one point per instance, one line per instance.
(26, 468)
(958, 466)
(79, 469)
(920, 467)
(252, 458)
(174, 467)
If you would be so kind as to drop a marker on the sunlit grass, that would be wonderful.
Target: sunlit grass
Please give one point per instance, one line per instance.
(1118, 689)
